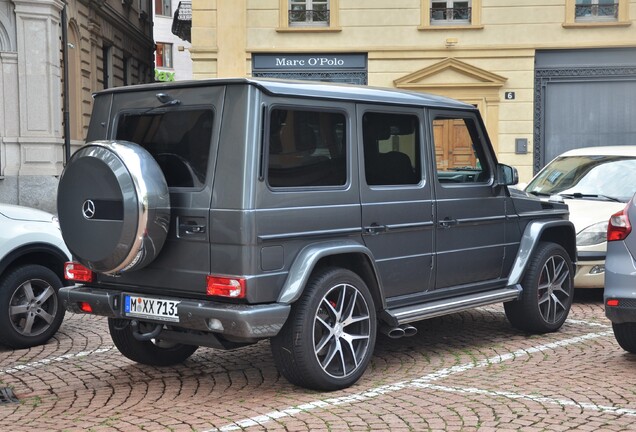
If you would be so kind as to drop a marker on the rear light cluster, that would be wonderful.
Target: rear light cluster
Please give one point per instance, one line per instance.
(220, 286)
(76, 272)
(226, 286)
(619, 226)
(612, 302)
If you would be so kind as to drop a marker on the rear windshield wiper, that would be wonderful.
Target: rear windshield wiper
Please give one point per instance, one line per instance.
(578, 195)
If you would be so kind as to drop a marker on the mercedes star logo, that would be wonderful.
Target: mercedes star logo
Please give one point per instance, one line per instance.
(88, 209)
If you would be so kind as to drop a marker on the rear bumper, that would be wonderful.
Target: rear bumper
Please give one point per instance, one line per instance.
(620, 283)
(236, 320)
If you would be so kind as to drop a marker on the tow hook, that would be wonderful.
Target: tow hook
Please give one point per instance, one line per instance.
(144, 336)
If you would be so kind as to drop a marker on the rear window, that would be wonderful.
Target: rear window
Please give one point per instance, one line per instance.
(178, 140)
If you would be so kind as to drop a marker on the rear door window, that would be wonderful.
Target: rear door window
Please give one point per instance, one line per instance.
(306, 148)
(178, 140)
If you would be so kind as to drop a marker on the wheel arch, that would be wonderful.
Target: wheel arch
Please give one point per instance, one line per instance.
(45, 255)
(344, 254)
(561, 232)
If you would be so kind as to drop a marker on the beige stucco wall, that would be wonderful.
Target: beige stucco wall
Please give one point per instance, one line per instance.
(226, 33)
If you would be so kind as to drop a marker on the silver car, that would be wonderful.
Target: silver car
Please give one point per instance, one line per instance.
(620, 276)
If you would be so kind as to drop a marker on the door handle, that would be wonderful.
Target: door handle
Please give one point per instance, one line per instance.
(193, 229)
(375, 229)
(447, 222)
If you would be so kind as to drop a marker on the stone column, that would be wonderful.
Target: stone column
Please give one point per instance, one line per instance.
(39, 83)
(40, 103)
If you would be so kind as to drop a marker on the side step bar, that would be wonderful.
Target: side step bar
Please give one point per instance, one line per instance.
(436, 308)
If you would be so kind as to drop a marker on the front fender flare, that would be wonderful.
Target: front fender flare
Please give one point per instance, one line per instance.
(307, 259)
(530, 239)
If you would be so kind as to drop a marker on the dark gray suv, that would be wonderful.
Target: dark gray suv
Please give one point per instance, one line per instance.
(220, 213)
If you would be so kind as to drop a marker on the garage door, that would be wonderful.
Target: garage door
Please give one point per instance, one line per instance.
(583, 98)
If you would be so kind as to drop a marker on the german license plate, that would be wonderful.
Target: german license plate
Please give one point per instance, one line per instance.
(148, 307)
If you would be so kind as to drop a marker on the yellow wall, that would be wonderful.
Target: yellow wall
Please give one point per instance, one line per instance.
(400, 43)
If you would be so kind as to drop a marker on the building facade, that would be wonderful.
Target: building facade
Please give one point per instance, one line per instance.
(546, 76)
(53, 55)
(172, 54)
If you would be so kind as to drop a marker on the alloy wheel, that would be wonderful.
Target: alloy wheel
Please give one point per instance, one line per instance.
(33, 307)
(342, 330)
(554, 289)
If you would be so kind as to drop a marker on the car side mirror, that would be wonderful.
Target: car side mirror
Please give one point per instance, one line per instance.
(507, 175)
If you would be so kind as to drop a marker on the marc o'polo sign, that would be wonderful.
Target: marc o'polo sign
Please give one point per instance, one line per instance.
(285, 62)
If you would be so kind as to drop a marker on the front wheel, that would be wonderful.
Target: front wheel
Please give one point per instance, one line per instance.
(30, 309)
(328, 339)
(548, 288)
(625, 334)
(154, 352)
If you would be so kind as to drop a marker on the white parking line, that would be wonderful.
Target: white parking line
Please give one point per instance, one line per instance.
(589, 323)
(418, 382)
(43, 362)
(541, 399)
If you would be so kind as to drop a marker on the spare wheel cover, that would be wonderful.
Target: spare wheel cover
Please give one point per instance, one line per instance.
(114, 206)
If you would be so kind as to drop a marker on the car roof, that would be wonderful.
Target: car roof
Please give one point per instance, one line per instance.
(622, 150)
(324, 90)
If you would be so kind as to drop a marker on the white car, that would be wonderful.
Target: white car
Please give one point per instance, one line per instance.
(595, 182)
(32, 257)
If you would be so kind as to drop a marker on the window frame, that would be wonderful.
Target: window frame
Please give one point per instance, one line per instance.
(165, 46)
(201, 184)
(166, 6)
(418, 148)
(622, 19)
(332, 26)
(266, 144)
(488, 164)
(427, 24)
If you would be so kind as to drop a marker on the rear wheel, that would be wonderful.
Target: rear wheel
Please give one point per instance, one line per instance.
(625, 334)
(30, 309)
(328, 339)
(548, 288)
(154, 352)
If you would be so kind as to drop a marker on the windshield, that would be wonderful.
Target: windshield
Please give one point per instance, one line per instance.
(603, 177)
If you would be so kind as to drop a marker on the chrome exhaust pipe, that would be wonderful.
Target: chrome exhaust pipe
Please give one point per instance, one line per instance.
(409, 330)
(392, 332)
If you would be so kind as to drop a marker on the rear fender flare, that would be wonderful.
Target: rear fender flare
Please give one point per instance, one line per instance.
(309, 257)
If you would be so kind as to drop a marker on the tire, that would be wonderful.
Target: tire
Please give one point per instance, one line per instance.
(30, 309)
(154, 352)
(625, 334)
(548, 289)
(114, 206)
(306, 351)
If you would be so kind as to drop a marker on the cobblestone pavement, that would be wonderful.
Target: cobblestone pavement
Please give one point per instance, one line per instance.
(468, 371)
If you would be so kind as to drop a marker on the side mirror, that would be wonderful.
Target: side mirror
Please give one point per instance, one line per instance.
(507, 175)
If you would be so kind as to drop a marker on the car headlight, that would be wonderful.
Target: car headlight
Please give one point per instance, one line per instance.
(594, 234)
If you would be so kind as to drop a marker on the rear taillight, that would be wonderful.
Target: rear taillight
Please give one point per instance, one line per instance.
(226, 286)
(619, 226)
(76, 272)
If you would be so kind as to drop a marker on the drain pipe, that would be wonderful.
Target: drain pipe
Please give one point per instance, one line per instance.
(65, 103)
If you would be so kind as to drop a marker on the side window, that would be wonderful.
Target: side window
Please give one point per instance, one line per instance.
(459, 152)
(306, 148)
(178, 140)
(391, 149)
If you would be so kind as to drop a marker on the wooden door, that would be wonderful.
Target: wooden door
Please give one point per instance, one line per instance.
(453, 145)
